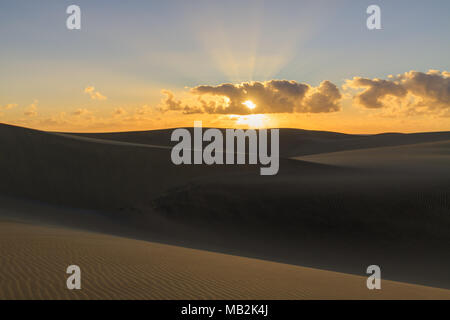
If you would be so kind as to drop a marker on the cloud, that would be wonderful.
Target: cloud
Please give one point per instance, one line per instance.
(412, 92)
(119, 112)
(170, 101)
(322, 99)
(95, 95)
(274, 96)
(374, 91)
(31, 110)
(82, 120)
(82, 112)
(9, 106)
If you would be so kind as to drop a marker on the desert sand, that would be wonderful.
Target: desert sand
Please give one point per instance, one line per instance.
(429, 157)
(34, 260)
(141, 227)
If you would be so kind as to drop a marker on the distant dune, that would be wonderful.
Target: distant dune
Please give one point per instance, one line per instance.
(293, 142)
(340, 203)
(419, 158)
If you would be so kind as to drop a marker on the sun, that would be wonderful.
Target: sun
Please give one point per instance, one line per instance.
(249, 104)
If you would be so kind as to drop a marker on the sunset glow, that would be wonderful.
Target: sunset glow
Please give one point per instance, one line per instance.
(249, 104)
(255, 121)
(204, 68)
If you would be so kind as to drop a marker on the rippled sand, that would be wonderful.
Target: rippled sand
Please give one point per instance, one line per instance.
(34, 260)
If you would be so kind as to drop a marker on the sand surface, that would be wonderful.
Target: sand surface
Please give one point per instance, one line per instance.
(347, 202)
(34, 260)
(423, 158)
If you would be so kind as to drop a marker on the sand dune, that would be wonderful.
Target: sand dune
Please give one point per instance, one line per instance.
(422, 158)
(113, 142)
(351, 209)
(293, 142)
(34, 260)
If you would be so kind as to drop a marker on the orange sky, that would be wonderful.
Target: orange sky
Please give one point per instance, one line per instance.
(101, 114)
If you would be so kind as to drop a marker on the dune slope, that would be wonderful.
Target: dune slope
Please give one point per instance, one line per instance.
(34, 260)
(333, 216)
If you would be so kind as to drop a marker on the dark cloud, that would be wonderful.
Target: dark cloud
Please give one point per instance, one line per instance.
(375, 90)
(325, 98)
(275, 96)
(418, 92)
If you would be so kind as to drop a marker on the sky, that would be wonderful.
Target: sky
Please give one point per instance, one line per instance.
(142, 65)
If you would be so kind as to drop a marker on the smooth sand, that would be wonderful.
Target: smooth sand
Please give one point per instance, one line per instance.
(34, 260)
(423, 158)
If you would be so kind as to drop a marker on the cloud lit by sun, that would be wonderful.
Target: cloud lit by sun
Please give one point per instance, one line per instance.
(249, 104)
